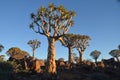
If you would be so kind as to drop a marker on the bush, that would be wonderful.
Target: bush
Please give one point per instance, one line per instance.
(7, 69)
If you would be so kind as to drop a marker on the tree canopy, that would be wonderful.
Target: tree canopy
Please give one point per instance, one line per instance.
(95, 54)
(52, 21)
(16, 52)
(34, 44)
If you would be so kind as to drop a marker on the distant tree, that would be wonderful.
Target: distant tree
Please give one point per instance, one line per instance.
(1, 47)
(69, 41)
(75, 58)
(14, 51)
(52, 22)
(81, 44)
(2, 57)
(61, 59)
(115, 53)
(34, 44)
(17, 53)
(95, 54)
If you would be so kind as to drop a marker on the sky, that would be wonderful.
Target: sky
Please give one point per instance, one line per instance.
(99, 19)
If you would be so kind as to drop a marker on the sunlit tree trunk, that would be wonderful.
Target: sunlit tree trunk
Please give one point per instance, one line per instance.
(51, 65)
(117, 59)
(33, 53)
(96, 61)
(70, 54)
(80, 55)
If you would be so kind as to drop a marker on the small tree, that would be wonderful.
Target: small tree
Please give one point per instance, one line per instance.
(34, 44)
(52, 22)
(69, 42)
(61, 59)
(14, 51)
(81, 43)
(95, 54)
(1, 47)
(115, 53)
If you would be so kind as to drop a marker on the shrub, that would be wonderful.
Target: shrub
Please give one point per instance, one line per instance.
(7, 68)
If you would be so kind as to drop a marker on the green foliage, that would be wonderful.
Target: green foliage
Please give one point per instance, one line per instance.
(17, 53)
(13, 51)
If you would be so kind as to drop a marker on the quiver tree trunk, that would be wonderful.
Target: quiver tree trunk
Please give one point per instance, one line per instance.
(81, 57)
(70, 55)
(33, 55)
(96, 61)
(51, 65)
(117, 59)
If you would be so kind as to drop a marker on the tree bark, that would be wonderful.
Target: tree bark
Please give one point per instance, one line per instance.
(80, 55)
(33, 53)
(70, 55)
(117, 59)
(51, 65)
(96, 61)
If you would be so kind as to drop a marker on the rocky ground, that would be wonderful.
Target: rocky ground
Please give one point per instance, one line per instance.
(75, 73)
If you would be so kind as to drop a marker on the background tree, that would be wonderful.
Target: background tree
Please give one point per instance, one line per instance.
(95, 54)
(16, 53)
(2, 57)
(25, 53)
(1, 47)
(81, 43)
(61, 59)
(52, 22)
(75, 58)
(69, 42)
(34, 44)
(115, 53)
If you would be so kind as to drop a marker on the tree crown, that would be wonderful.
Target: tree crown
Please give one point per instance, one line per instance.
(52, 21)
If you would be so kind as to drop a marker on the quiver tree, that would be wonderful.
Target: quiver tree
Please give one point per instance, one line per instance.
(69, 41)
(115, 53)
(95, 54)
(81, 43)
(75, 58)
(16, 53)
(1, 47)
(34, 44)
(52, 22)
